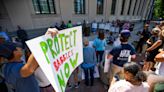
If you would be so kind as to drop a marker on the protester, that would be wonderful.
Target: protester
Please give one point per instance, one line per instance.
(110, 38)
(94, 26)
(20, 75)
(69, 24)
(22, 35)
(43, 82)
(157, 78)
(126, 26)
(120, 55)
(63, 25)
(133, 82)
(89, 56)
(2, 39)
(99, 44)
(74, 80)
(4, 35)
(144, 37)
(149, 63)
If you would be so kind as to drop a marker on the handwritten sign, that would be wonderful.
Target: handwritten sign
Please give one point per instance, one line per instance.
(58, 56)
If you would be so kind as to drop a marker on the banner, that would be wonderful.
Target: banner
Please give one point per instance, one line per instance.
(58, 56)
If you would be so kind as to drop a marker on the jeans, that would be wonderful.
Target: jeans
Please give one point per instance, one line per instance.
(87, 72)
(99, 55)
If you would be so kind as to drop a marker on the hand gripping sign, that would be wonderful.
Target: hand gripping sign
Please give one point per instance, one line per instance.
(58, 56)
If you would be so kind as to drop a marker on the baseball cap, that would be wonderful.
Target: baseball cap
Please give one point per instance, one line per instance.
(162, 33)
(125, 33)
(6, 49)
(155, 30)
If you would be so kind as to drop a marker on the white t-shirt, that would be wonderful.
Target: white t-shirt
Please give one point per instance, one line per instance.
(41, 78)
(160, 68)
(117, 42)
(101, 26)
(94, 25)
(107, 26)
(125, 86)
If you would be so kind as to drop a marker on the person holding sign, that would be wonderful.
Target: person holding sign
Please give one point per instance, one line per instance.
(120, 55)
(20, 75)
(89, 63)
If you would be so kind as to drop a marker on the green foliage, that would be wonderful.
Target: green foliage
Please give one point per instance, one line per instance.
(159, 9)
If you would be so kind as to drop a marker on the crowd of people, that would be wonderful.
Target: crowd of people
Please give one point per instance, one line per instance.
(124, 74)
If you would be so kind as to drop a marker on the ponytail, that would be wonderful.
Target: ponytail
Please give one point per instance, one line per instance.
(141, 76)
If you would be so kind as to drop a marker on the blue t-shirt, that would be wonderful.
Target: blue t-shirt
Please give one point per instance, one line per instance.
(99, 44)
(89, 57)
(12, 75)
(121, 53)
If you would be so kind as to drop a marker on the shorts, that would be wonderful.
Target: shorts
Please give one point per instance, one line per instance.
(151, 56)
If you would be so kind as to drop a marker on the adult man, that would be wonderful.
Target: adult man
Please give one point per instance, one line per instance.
(144, 37)
(22, 35)
(120, 55)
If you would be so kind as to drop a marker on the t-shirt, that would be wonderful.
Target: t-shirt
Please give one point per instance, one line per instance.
(145, 34)
(41, 78)
(99, 44)
(152, 39)
(160, 68)
(12, 75)
(125, 86)
(121, 53)
(94, 25)
(101, 26)
(89, 57)
(69, 25)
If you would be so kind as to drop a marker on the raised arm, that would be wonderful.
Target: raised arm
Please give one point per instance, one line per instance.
(155, 45)
(31, 65)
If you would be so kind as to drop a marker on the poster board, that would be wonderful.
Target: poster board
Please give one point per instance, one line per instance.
(58, 56)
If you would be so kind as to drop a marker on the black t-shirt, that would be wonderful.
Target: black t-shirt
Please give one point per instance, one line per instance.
(121, 53)
(146, 34)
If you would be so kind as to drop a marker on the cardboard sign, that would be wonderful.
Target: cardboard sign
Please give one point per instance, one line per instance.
(107, 62)
(58, 56)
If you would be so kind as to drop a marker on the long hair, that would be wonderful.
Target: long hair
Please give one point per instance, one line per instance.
(101, 35)
(135, 70)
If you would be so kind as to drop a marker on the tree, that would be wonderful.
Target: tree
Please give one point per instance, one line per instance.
(159, 9)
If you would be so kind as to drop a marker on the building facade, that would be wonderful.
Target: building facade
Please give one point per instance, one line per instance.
(33, 14)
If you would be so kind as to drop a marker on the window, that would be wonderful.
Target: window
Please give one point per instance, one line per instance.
(79, 6)
(100, 4)
(135, 6)
(129, 6)
(123, 4)
(44, 6)
(113, 6)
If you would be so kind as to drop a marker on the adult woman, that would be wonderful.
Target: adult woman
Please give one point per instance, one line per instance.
(149, 63)
(99, 44)
(133, 82)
